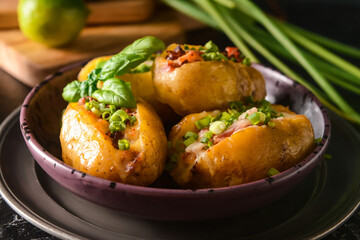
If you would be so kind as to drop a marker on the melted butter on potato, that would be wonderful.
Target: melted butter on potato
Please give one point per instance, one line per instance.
(87, 146)
(246, 155)
(204, 85)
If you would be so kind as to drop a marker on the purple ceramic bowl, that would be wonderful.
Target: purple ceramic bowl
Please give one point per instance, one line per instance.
(40, 123)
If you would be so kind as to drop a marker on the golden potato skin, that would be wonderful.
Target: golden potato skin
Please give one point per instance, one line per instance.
(141, 86)
(86, 146)
(246, 155)
(205, 85)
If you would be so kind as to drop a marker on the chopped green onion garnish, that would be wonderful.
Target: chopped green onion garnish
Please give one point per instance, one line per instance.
(202, 123)
(213, 119)
(271, 124)
(327, 156)
(217, 127)
(132, 120)
(208, 134)
(115, 118)
(104, 109)
(94, 104)
(124, 144)
(257, 118)
(117, 126)
(189, 141)
(272, 172)
(246, 61)
(317, 140)
(106, 115)
(102, 105)
(225, 116)
(87, 106)
(122, 114)
(96, 111)
(191, 134)
(204, 139)
(112, 108)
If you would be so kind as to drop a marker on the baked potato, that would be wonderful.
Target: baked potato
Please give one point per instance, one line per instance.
(87, 145)
(189, 84)
(141, 86)
(243, 153)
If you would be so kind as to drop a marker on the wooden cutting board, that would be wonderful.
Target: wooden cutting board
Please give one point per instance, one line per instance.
(101, 11)
(30, 62)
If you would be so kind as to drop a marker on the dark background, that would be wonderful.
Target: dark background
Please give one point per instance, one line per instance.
(338, 19)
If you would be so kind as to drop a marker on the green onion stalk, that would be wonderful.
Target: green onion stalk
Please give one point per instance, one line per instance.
(250, 29)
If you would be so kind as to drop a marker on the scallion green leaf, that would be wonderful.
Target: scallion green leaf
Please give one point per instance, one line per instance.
(272, 172)
(189, 141)
(217, 127)
(124, 144)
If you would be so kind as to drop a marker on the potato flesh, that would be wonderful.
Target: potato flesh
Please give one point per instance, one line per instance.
(246, 155)
(87, 147)
(205, 85)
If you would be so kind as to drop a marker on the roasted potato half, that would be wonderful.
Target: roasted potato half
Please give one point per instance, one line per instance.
(204, 85)
(242, 154)
(87, 145)
(141, 86)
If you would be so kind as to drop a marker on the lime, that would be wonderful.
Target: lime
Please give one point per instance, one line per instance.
(52, 22)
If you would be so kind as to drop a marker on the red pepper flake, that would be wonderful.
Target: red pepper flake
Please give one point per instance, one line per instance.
(235, 53)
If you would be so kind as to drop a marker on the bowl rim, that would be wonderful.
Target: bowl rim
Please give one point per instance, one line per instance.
(313, 157)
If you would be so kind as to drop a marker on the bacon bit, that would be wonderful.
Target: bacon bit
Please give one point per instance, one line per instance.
(178, 52)
(191, 56)
(234, 52)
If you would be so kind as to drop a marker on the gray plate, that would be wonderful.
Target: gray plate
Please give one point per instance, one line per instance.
(317, 206)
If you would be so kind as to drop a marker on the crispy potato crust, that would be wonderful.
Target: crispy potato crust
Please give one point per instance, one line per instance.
(87, 146)
(245, 156)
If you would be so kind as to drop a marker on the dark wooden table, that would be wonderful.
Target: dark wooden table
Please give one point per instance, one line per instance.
(341, 22)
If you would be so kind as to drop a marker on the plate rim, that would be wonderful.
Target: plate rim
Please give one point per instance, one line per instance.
(10, 198)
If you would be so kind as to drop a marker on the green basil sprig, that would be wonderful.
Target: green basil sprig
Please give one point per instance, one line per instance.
(76, 89)
(71, 92)
(130, 57)
(133, 55)
(117, 92)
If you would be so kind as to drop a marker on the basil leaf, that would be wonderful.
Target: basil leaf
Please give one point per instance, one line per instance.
(71, 92)
(130, 57)
(115, 91)
(75, 90)
(89, 86)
